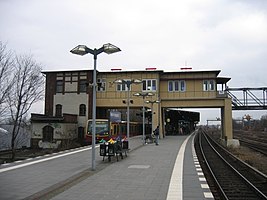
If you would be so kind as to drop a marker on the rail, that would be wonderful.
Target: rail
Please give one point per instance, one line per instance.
(255, 141)
(234, 178)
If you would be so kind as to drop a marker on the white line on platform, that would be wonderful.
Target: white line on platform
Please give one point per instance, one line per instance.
(201, 179)
(205, 186)
(43, 160)
(176, 183)
(208, 195)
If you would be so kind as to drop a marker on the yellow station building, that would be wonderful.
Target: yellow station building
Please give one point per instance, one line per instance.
(68, 98)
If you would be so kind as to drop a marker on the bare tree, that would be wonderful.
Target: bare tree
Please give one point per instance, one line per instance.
(6, 68)
(28, 88)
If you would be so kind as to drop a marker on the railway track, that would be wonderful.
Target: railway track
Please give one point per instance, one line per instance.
(255, 136)
(256, 146)
(254, 140)
(231, 177)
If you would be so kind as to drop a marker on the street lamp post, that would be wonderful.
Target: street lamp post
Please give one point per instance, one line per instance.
(82, 50)
(128, 83)
(143, 95)
(152, 103)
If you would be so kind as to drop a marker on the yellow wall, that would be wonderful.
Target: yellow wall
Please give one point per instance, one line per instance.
(111, 97)
(192, 97)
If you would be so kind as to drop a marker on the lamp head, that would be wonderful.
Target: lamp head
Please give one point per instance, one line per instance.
(150, 94)
(145, 94)
(137, 94)
(136, 81)
(110, 48)
(119, 81)
(80, 50)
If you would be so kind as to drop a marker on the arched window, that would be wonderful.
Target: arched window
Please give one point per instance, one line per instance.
(82, 110)
(58, 110)
(48, 134)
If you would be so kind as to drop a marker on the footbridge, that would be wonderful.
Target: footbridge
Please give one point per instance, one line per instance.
(248, 98)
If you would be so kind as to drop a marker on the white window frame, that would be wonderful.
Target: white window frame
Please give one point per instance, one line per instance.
(182, 89)
(208, 85)
(176, 86)
(122, 87)
(101, 82)
(149, 85)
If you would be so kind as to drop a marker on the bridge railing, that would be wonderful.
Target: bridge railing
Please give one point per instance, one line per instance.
(248, 98)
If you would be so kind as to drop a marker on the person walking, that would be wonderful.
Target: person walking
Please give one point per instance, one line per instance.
(156, 133)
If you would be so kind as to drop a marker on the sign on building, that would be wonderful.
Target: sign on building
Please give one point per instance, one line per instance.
(115, 116)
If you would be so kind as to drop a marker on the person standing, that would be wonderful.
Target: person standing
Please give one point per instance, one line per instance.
(156, 133)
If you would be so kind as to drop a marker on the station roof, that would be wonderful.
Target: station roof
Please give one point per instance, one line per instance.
(151, 69)
(183, 115)
(220, 80)
(64, 70)
(120, 70)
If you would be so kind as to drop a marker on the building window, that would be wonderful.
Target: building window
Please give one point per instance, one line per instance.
(212, 85)
(149, 85)
(171, 86)
(48, 134)
(208, 85)
(123, 87)
(182, 86)
(101, 84)
(82, 85)
(176, 86)
(82, 110)
(59, 86)
(58, 110)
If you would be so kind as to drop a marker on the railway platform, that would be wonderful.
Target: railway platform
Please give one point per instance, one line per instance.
(167, 171)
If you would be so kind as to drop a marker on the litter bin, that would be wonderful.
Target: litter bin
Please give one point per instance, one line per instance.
(111, 150)
(103, 150)
(125, 145)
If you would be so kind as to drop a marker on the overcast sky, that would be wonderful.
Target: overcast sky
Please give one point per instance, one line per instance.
(229, 35)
